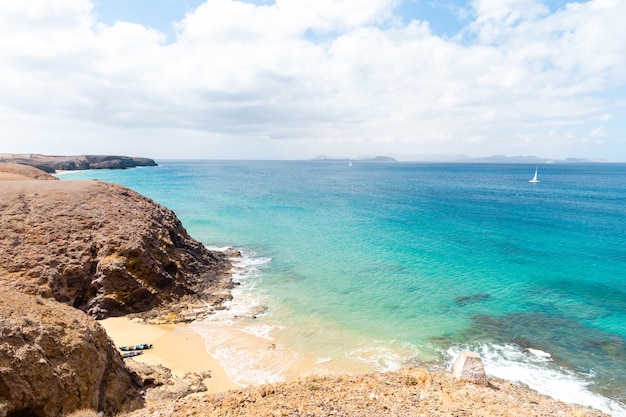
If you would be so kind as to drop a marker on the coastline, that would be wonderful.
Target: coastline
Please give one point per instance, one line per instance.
(176, 346)
(182, 349)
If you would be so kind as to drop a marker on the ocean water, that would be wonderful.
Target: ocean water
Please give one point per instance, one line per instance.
(379, 265)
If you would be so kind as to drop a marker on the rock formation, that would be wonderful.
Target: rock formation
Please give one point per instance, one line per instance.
(102, 248)
(469, 367)
(51, 163)
(55, 359)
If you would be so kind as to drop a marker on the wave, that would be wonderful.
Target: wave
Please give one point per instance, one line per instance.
(385, 357)
(237, 338)
(536, 369)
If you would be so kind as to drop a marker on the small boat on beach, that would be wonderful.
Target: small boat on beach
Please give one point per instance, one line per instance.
(142, 346)
(534, 179)
(131, 354)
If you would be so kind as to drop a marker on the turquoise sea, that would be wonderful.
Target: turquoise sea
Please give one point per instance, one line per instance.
(378, 265)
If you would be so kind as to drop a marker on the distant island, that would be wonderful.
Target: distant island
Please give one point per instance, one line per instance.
(53, 163)
(360, 159)
(502, 159)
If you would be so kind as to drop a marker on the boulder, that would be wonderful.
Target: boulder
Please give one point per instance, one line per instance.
(102, 248)
(469, 367)
(55, 359)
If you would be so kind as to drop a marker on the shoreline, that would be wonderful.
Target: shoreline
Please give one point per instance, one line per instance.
(182, 350)
(175, 346)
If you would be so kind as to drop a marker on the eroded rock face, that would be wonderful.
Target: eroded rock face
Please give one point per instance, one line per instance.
(102, 248)
(55, 359)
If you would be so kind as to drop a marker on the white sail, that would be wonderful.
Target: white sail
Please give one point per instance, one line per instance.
(535, 177)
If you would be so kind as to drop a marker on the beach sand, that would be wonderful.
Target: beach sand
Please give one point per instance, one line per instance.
(176, 346)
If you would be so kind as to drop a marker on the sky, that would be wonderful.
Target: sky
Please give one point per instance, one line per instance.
(293, 79)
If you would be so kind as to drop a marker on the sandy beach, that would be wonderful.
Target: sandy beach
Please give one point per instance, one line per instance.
(176, 346)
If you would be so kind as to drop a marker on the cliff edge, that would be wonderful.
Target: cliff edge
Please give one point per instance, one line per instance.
(103, 249)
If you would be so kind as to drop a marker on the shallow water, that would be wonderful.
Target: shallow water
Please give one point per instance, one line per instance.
(380, 265)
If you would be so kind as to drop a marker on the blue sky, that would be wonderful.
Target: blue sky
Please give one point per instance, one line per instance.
(443, 16)
(292, 79)
(157, 14)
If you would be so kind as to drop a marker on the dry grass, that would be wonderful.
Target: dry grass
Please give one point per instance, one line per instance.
(85, 413)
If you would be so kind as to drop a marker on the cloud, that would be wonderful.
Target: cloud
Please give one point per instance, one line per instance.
(304, 77)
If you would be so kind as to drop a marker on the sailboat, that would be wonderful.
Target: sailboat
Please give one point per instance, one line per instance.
(535, 177)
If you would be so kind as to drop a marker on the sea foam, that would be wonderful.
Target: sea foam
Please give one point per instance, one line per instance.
(536, 369)
(234, 336)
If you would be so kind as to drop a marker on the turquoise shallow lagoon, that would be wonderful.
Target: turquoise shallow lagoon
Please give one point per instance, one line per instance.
(379, 265)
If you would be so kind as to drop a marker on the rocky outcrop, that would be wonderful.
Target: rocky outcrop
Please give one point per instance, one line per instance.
(55, 359)
(102, 248)
(161, 385)
(51, 163)
(468, 366)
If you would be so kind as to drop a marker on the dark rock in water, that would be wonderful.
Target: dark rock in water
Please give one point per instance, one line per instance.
(102, 248)
(55, 359)
(471, 299)
(51, 164)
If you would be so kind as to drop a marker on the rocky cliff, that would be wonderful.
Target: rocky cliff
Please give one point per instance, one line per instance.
(50, 163)
(102, 248)
(55, 359)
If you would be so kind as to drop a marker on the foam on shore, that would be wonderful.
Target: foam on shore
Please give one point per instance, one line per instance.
(536, 369)
(242, 344)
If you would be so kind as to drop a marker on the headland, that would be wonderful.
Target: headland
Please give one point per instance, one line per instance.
(53, 163)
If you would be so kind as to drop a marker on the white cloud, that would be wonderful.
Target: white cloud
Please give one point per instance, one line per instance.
(598, 132)
(302, 77)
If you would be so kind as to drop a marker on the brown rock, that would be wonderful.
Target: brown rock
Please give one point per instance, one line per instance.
(102, 248)
(469, 367)
(162, 385)
(19, 172)
(55, 359)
